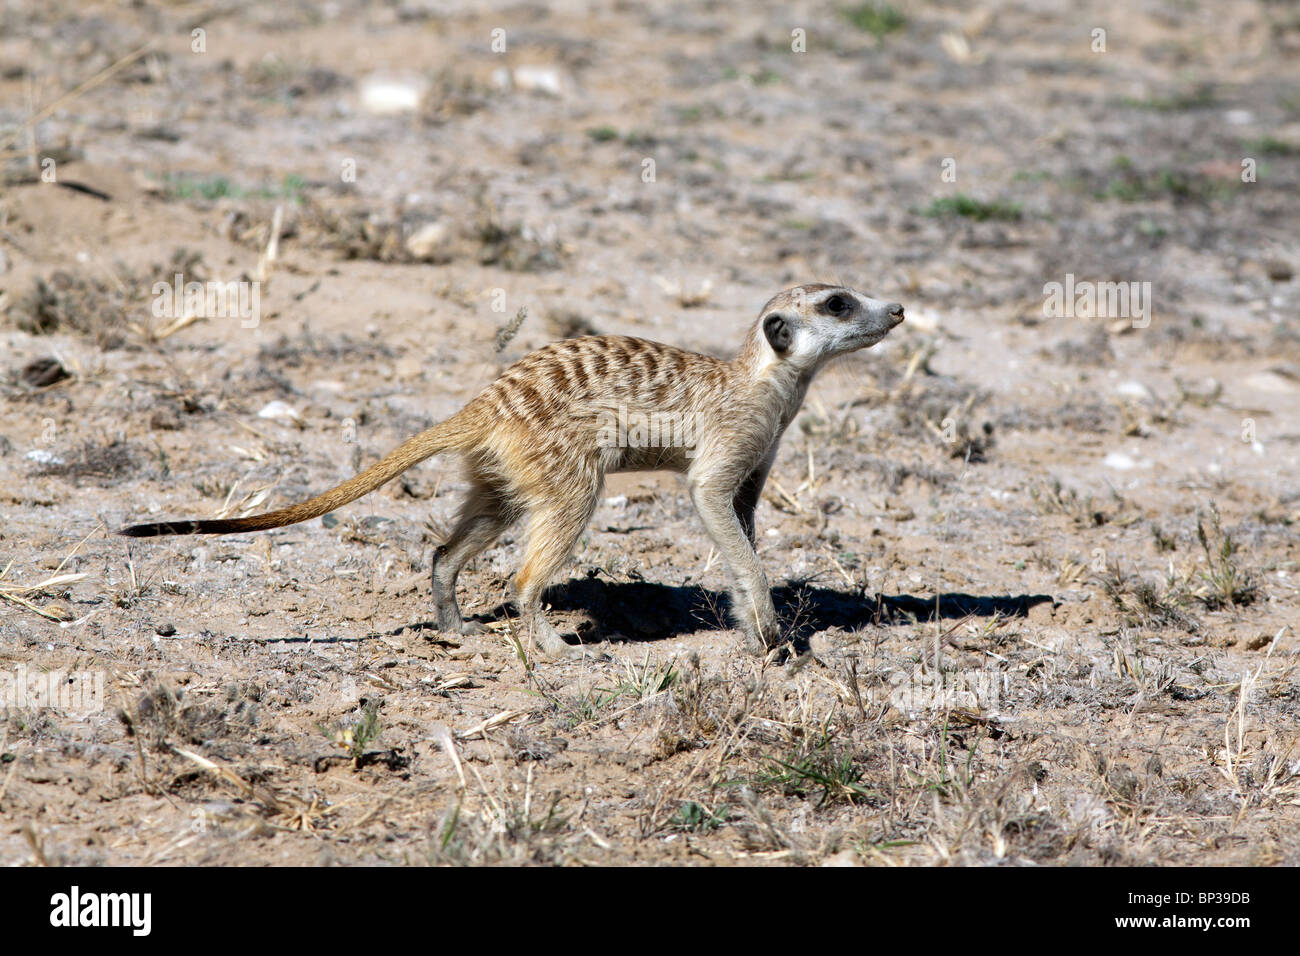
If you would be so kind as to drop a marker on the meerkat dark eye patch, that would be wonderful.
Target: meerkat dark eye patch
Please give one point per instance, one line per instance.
(778, 331)
(837, 305)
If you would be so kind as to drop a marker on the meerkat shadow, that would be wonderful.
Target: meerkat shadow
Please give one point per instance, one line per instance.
(638, 611)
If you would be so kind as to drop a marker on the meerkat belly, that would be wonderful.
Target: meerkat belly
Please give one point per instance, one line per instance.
(640, 435)
(646, 459)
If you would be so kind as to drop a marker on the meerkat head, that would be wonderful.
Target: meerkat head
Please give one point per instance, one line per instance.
(811, 324)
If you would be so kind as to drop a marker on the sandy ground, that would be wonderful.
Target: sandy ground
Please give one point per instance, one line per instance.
(1042, 568)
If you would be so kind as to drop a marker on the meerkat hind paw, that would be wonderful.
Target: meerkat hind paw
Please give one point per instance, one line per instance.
(576, 652)
(550, 643)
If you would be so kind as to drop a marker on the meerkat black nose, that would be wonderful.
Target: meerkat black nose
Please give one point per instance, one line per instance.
(895, 311)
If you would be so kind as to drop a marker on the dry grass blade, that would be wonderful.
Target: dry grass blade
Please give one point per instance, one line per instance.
(102, 76)
(205, 16)
(246, 505)
(1234, 744)
(298, 813)
(47, 583)
(496, 720)
(10, 591)
(272, 250)
(37, 844)
(454, 681)
(445, 740)
(790, 501)
(13, 768)
(150, 334)
(55, 615)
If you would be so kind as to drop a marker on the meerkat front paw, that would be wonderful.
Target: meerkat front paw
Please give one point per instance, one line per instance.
(761, 633)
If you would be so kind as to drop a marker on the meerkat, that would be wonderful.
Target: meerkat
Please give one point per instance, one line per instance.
(538, 443)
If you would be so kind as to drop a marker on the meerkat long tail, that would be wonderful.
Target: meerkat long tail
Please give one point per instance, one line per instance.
(447, 436)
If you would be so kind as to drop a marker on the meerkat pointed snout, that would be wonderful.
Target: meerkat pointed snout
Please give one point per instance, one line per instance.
(539, 441)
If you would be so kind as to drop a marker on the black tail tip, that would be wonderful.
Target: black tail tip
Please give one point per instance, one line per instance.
(158, 528)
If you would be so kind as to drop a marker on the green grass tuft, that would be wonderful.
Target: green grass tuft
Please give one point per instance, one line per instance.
(1200, 97)
(1226, 583)
(823, 769)
(878, 19)
(1269, 146)
(219, 187)
(970, 208)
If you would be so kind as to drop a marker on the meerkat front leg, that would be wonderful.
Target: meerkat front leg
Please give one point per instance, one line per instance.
(747, 495)
(714, 500)
(483, 517)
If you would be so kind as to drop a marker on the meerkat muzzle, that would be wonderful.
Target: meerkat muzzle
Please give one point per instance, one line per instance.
(895, 311)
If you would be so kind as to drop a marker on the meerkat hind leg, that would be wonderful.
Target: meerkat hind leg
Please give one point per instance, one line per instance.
(482, 520)
(553, 531)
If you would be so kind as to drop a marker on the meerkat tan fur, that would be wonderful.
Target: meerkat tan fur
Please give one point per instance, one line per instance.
(537, 443)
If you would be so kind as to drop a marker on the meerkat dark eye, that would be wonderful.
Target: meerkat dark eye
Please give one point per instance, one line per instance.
(837, 305)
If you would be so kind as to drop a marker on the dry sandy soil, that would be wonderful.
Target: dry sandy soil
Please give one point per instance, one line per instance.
(1040, 571)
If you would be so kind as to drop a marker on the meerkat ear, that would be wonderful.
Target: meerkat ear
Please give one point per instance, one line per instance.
(778, 331)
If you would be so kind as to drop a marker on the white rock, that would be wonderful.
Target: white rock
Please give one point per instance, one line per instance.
(387, 95)
(1135, 390)
(1272, 381)
(537, 79)
(280, 411)
(43, 457)
(618, 501)
(1119, 460)
(428, 239)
